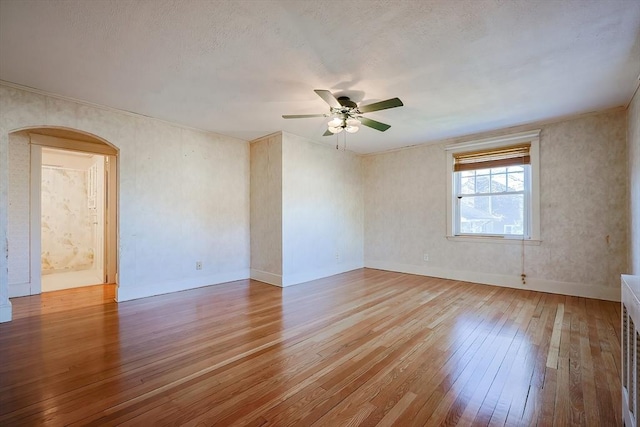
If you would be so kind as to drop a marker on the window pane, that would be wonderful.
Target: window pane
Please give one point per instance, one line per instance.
(483, 184)
(515, 168)
(468, 173)
(467, 185)
(516, 181)
(498, 182)
(498, 170)
(499, 214)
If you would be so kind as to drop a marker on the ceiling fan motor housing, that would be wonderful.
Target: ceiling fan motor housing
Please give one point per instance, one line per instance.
(346, 102)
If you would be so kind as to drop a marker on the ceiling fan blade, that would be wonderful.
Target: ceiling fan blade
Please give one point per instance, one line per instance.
(382, 105)
(302, 116)
(328, 98)
(374, 124)
(327, 133)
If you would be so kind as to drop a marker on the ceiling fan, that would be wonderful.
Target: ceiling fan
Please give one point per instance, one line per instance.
(347, 115)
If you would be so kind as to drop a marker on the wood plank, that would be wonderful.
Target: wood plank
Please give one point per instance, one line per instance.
(554, 347)
(391, 417)
(562, 413)
(575, 392)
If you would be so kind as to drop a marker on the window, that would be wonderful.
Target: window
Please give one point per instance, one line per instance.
(493, 188)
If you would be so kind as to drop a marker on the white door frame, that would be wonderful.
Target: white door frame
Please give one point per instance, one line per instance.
(111, 219)
(35, 226)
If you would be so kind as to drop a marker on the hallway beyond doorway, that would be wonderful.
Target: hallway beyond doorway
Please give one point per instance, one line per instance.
(73, 219)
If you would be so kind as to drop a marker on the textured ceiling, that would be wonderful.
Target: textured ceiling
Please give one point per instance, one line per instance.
(234, 67)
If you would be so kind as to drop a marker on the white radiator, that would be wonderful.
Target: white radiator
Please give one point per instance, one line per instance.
(630, 345)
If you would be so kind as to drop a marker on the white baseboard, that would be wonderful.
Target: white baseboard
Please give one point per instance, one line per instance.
(127, 293)
(265, 277)
(5, 312)
(19, 290)
(307, 276)
(303, 277)
(586, 290)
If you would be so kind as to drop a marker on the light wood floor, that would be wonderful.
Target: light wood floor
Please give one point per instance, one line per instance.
(363, 348)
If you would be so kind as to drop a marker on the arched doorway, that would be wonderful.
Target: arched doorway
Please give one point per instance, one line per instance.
(61, 242)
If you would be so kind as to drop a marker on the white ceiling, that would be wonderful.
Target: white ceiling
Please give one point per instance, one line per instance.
(234, 67)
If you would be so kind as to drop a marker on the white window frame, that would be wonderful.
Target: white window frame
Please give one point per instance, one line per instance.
(532, 216)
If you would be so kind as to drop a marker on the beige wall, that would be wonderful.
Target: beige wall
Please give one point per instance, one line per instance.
(18, 210)
(306, 210)
(266, 208)
(322, 199)
(633, 137)
(583, 176)
(184, 194)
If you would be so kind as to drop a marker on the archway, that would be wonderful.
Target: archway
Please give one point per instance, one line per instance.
(25, 151)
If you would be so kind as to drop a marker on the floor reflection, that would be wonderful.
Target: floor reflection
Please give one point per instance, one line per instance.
(69, 343)
(489, 360)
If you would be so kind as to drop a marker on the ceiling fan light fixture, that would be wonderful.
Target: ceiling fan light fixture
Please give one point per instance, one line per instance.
(335, 122)
(335, 129)
(353, 122)
(352, 129)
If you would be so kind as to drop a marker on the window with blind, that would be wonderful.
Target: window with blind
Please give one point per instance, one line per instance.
(492, 188)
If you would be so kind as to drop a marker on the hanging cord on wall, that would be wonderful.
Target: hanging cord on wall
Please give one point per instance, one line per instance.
(523, 275)
(525, 218)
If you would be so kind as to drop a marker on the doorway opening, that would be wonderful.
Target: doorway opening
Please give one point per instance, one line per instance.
(26, 148)
(63, 203)
(73, 196)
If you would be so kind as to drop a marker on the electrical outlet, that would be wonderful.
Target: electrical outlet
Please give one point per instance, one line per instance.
(198, 265)
(425, 257)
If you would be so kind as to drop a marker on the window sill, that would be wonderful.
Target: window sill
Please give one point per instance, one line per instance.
(494, 239)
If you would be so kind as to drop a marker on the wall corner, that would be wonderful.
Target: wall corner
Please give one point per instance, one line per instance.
(5, 312)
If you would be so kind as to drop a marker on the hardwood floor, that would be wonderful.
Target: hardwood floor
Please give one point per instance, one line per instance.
(367, 348)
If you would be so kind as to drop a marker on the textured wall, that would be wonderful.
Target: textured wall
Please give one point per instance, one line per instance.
(5, 304)
(68, 241)
(633, 138)
(183, 194)
(266, 205)
(322, 198)
(583, 205)
(18, 212)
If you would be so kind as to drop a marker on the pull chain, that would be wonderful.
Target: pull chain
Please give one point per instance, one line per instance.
(344, 141)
